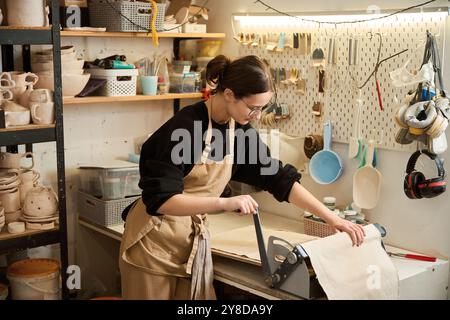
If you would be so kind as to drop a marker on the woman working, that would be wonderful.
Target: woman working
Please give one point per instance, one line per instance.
(165, 252)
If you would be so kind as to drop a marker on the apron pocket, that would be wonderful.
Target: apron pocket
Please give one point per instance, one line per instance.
(171, 238)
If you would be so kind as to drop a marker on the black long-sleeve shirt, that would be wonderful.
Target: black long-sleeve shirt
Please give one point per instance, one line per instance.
(161, 178)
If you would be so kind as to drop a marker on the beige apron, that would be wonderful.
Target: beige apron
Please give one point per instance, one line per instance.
(169, 257)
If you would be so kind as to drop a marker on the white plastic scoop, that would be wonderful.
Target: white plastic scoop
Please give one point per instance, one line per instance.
(367, 182)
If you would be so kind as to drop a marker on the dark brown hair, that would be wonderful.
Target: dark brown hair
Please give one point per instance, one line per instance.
(244, 76)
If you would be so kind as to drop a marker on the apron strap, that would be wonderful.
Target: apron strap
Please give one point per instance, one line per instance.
(208, 138)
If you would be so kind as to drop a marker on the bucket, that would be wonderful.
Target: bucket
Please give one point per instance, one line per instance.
(3, 291)
(34, 279)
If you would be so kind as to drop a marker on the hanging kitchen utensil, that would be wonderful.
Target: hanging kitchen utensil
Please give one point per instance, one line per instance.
(325, 166)
(367, 182)
(355, 143)
(312, 144)
(318, 58)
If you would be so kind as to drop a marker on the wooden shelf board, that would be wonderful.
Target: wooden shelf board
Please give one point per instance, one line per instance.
(24, 28)
(139, 34)
(5, 235)
(27, 127)
(93, 100)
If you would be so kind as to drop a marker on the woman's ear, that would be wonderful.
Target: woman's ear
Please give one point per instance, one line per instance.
(229, 95)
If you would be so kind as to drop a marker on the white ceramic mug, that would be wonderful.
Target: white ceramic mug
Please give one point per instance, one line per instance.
(10, 200)
(13, 160)
(5, 95)
(23, 79)
(42, 112)
(41, 95)
(6, 82)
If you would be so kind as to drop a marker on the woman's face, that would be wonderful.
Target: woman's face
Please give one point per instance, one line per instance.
(248, 108)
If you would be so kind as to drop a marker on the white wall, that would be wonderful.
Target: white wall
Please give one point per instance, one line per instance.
(98, 132)
(421, 225)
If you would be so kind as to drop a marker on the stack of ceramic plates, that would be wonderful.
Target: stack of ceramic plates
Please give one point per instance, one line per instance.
(2, 218)
(39, 223)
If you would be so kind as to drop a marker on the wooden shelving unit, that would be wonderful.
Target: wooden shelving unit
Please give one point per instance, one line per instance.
(27, 239)
(139, 35)
(27, 134)
(94, 100)
(13, 137)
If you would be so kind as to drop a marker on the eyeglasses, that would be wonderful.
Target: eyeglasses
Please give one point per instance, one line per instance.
(253, 109)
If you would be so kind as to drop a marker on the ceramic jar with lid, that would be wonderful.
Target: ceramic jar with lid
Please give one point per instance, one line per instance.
(40, 202)
(330, 202)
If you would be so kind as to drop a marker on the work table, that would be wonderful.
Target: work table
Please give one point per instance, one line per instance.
(418, 279)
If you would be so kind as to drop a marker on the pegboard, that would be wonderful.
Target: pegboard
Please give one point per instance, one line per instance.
(339, 99)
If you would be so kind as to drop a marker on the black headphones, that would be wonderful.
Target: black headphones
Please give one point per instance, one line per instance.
(416, 186)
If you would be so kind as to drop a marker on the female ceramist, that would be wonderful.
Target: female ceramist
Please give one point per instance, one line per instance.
(186, 165)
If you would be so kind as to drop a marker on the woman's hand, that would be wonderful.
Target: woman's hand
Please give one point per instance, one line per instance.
(355, 231)
(244, 204)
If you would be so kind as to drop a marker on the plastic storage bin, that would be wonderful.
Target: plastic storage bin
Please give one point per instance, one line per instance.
(185, 82)
(116, 180)
(125, 16)
(208, 48)
(119, 82)
(101, 212)
(181, 66)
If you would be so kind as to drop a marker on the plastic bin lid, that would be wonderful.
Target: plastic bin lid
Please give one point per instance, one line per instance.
(182, 62)
(30, 268)
(112, 164)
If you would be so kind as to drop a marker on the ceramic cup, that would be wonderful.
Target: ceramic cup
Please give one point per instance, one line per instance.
(149, 85)
(6, 82)
(24, 187)
(10, 200)
(42, 112)
(13, 160)
(41, 95)
(5, 95)
(23, 80)
(27, 175)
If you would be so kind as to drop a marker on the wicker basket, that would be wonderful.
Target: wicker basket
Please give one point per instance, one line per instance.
(105, 213)
(125, 16)
(317, 228)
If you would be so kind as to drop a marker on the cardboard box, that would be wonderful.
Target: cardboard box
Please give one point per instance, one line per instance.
(194, 28)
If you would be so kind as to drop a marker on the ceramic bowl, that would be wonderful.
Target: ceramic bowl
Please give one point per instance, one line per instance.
(68, 66)
(39, 226)
(19, 118)
(49, 58)
(16, 227)
(72, 84)
(64, 50)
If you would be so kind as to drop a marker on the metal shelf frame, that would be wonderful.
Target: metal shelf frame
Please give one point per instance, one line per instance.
(10, 36)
